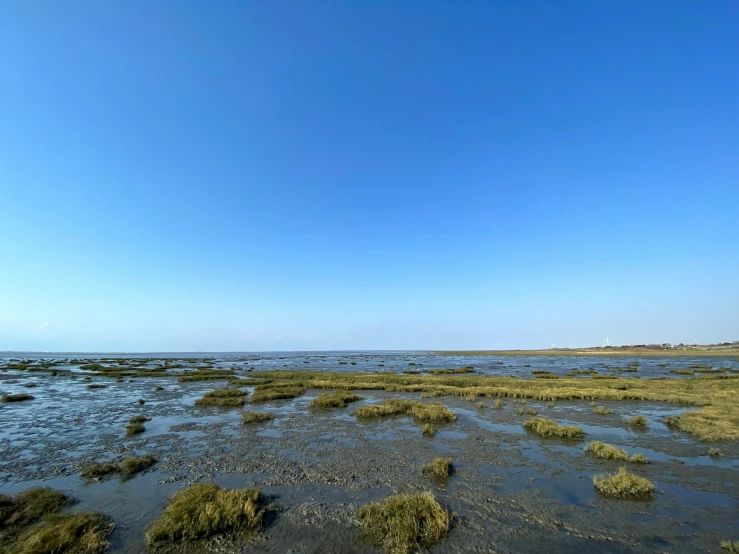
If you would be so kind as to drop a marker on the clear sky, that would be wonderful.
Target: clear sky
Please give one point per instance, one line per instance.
(184, 175)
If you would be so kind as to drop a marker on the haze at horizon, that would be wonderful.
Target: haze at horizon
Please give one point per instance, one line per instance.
(412, 175)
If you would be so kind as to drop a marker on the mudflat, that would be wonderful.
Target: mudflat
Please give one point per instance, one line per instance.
(519, 454)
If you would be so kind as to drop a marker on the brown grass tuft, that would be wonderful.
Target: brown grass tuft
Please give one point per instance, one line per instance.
(98, 470)
(428, 430)
(607, 451)
(405, 523)
(30, 505)
(624, 485)
(276, 394)
(135, 428)
(256, 417)
(205, 509)
(421, 411)
(338, 399)
(136, 464)
(548, 428)
(439, 468)
(82, 533)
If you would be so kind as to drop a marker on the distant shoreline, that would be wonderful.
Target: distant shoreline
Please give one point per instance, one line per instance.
(613, 351)
(604, 352)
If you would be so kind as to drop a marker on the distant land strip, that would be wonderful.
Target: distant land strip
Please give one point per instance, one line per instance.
(718, 351)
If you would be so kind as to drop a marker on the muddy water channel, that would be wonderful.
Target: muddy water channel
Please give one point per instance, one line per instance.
(510, 492)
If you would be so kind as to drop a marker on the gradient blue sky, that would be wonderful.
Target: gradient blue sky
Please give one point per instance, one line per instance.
(181, 175)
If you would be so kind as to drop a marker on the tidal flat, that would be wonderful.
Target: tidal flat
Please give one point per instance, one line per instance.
(307, 476)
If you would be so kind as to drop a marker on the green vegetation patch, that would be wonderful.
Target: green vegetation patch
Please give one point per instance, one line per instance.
(204, 510)
(624, 485)
(458, 370)
(730, 546)
(16, 397)
(223, 397)
(276, 394)
(548, 428)
(601, 410)
(405, 523)
(607, 451)
(81, 533)
(428, 430)
(639, 421)
(440, 468)
(30, 505)
(206, 375)
(639, 458)
(129, 466)
(338, 399)
(716, 419)
(421, 411)
(256, 417)
(99, 470)
(135, 428)
(137, 464)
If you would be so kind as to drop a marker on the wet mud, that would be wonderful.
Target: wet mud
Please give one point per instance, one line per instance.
(511, 491)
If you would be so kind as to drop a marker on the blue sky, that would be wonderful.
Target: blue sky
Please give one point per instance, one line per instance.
(367, 175)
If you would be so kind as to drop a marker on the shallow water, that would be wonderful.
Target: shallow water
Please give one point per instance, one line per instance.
(511, 491)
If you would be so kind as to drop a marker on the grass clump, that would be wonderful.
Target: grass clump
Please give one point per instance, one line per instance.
(607, 451)
(30, 505)
(716, 419)
(526, 411)
(715, 452)
(256, 417)
(135, 428)
(139, 419)
(206, 375)
(730, 546)
(16, 397)
(624, 485)
(137, 464)
(639, 421)
(601, 410)
(338, 399)
(276, 394)
(82, 533)
(458, 370)
(421, 411)
(428, 430)
(223, 397)
(98, 470)
(639, 458)
(439, 468)
(405, 523)
(205, 509)
(548, 428)
(498, 403)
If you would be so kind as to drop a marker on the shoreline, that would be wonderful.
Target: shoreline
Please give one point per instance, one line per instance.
(601, 353)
